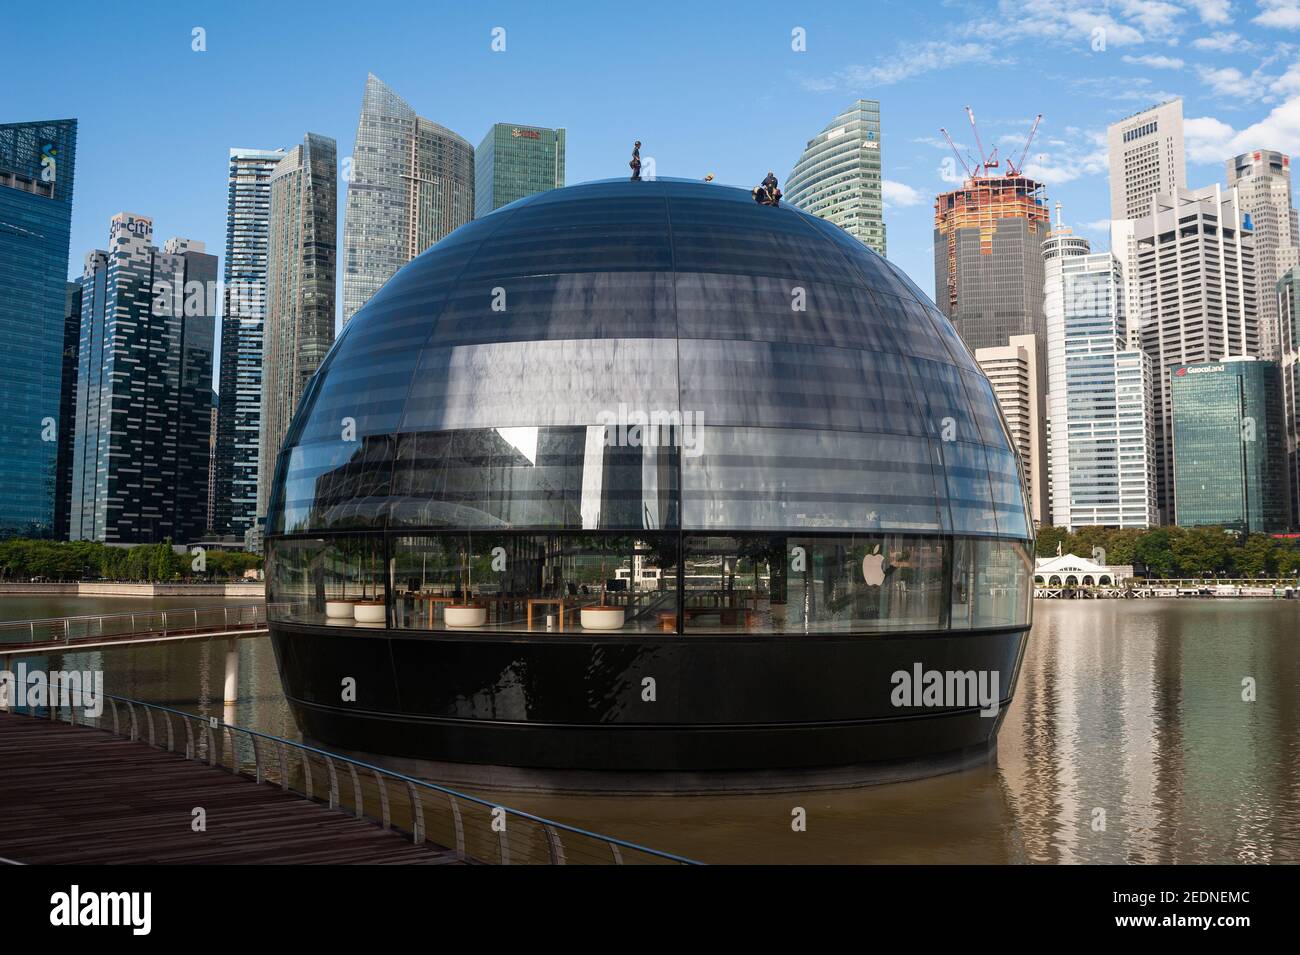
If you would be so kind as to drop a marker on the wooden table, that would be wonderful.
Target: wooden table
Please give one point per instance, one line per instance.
(546, 602)
(431, 600)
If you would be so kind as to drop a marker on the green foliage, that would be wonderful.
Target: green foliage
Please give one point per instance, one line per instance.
(90, 560)
(1179, 551)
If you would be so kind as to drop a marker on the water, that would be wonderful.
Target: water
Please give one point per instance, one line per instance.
(1130, 707)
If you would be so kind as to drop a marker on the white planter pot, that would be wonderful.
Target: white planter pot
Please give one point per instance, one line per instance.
(603, 618)
(370, 613)
(339, 609)
(464, 616)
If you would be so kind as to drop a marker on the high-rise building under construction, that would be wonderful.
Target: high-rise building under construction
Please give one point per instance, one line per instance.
(988, 270)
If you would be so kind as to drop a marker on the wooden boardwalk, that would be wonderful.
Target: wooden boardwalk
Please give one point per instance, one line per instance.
(69, 794)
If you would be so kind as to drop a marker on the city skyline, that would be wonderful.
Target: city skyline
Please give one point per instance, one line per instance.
(761, 111)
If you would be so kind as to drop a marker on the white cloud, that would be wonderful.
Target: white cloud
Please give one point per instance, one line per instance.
(1082, 156)
(1230, 81)
(1071, 21)
(1224, 42)
(1212, 140)
(1213, 12)
(1155, 61)
(910, 60)
(1289, 82)
(899, 194)
(1279, 13)
(1101, 226)
(1155, 17)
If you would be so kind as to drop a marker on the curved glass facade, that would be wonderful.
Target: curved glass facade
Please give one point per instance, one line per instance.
(659, 396)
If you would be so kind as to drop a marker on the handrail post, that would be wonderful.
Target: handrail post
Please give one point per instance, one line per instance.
(334, 783)
(417, 815)
(257, 757)
(383, 800)
(554, 846)
(459, 824)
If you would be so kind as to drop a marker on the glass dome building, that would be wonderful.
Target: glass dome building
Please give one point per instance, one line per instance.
(645, 476)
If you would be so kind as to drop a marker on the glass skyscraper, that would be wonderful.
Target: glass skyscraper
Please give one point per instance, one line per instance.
(243, 314)
(410, 182)
(144, 389)
(301, 255)
(1288, 312)
(1229, 462)
(516, 161)
(1099, 393)
(67, 411)
(37, 161)
(838, 177)
(1192, 299)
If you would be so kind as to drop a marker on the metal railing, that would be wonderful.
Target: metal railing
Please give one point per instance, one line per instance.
(476, 829)
(159, 623)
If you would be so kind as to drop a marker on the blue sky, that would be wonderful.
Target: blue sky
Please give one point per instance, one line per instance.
(706, 87)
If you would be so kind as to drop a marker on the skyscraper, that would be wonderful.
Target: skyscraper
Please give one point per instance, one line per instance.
(988, 279)
(1288, 309)
(516, 161)
(1146, 157)
(302, 256)
(67, 412)
(1013, 371)
(1098, 393)
(988, 264)
(410, 182)
(838, 176)
(144, 388)
(243, 314)
(1193, 296)
(37, 161)
(1263, 181)
(1227, 445)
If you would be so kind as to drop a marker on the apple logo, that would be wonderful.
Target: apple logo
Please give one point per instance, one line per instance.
(873, 570)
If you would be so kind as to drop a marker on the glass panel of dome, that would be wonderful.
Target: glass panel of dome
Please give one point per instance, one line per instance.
(628, 235)
(558, 307)
(860, 583)
(541, 383)
(1008, 493)
(754, 478)
(523, 581)
(748, 307)
(808, 387)
(969, 493)
(947, 412)
(540, 477)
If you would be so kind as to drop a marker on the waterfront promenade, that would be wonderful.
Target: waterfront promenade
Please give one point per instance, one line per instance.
(75, 795)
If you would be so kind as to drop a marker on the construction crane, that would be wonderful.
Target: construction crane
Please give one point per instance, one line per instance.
(987, 163)
(953, 147)
(1018, 168)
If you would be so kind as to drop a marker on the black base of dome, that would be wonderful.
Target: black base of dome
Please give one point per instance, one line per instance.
(721, 704)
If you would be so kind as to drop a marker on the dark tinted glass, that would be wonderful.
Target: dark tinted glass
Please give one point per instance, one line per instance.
(504, 378)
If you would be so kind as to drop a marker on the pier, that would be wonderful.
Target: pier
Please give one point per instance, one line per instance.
(73, 795)
(126, 784)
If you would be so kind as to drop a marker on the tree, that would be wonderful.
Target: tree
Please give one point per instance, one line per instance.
(1257, 556)
(1048, 538)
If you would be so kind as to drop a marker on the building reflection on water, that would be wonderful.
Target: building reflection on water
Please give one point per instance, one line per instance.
(1133, 707)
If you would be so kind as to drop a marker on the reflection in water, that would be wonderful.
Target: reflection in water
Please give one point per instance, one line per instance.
(1131, 707)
